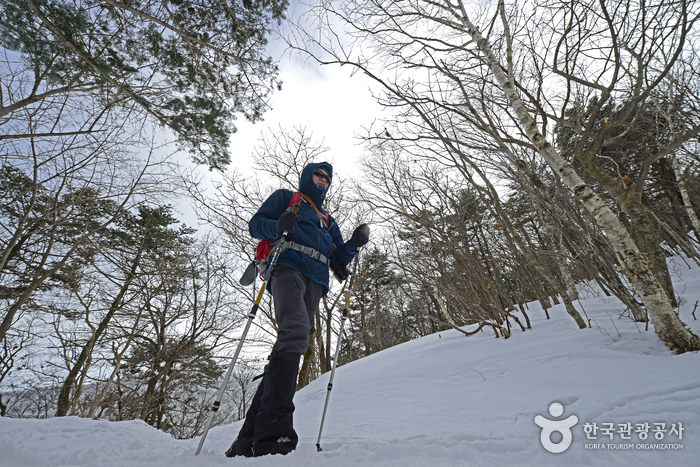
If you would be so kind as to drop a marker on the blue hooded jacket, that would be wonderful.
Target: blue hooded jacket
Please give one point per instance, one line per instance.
(309, 230)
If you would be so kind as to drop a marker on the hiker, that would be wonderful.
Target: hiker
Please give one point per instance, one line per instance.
(298, 281)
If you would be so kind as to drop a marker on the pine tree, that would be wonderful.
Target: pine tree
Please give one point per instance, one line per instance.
(191, 67)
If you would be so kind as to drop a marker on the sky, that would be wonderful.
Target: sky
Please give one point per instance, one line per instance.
(608, 395)
(332, 102)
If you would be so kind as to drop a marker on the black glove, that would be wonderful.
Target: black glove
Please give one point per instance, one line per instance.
(340, 271)
(287, 223)
(360, 236)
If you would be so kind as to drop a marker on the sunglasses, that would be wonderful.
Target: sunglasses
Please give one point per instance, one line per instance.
(321, 174)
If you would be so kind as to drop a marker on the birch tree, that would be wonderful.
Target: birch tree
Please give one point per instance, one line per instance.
(633, 262)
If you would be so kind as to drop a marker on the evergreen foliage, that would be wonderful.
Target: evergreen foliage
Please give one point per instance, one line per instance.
(191, 67)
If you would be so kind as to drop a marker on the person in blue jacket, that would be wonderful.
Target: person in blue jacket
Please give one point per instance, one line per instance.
(298, 282)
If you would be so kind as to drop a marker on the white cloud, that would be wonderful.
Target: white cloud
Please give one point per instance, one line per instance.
(327, 100)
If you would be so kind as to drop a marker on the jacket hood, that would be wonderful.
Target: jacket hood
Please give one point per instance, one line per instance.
(307, 185)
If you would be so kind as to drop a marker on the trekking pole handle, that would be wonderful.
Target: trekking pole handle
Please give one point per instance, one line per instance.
(295, 209)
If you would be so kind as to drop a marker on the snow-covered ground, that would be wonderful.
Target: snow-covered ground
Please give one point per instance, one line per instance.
(449, 400)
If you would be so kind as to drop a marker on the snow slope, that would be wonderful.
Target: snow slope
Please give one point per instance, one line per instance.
(448, 400)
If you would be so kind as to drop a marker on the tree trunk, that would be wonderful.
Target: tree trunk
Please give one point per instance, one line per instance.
(117, 364)
(148, 409)
(79, 388)
(573, 312)
(527, 318)
(570, 293)
(322, 359)
(647, 240)
(365, 332)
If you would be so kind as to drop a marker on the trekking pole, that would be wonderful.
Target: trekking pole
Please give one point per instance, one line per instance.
(251, 317)
(337, 349)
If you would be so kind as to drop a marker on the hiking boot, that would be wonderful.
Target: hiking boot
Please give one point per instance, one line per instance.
(282, 445)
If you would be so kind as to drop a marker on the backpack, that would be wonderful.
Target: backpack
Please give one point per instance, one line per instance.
(265, 247)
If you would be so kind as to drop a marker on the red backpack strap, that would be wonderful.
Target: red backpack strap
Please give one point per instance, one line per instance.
(297, 197)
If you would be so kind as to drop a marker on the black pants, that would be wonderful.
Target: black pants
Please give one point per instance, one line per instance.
(268, 427)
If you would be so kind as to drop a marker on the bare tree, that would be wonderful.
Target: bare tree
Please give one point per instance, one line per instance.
(478, 87)
(433, 216)
(187, 318)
